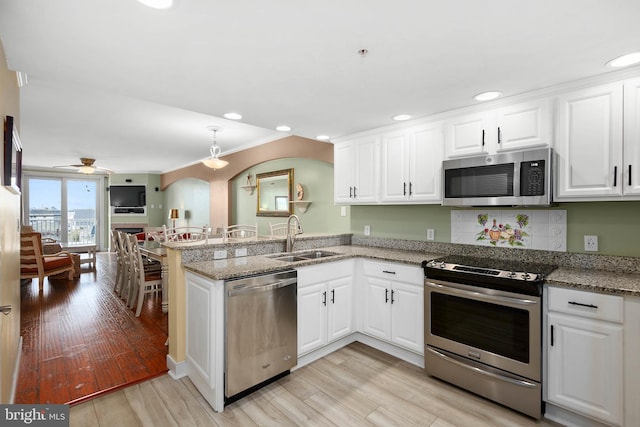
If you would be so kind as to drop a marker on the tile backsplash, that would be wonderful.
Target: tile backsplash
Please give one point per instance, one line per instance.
(519, 228)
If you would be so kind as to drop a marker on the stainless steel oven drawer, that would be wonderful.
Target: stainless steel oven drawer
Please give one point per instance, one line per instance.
(508, 389)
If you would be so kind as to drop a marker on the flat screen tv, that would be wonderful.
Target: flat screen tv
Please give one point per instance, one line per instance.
(129, 196)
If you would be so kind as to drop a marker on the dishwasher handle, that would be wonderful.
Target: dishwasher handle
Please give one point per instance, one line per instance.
(255, 288)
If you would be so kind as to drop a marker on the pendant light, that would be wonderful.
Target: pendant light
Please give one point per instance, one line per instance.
(213, 161)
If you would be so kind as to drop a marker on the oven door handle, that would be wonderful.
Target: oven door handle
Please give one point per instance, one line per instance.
(451, 288)
(521, 383)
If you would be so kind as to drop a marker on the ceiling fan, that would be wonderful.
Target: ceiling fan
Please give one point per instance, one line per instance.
(87, 167)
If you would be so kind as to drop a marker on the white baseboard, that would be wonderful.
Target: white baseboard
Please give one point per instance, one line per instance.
(177, 370)
(568, 418)
(16, 371)
(324, 351)
(400, 353)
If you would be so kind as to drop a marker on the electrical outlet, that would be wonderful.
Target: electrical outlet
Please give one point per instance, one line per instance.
(431, 234)
(591, 243)
(343, 211)
(221, 254)
(367, 230)
(241, 252)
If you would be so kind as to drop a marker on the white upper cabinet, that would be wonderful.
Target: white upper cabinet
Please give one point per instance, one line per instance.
(356, 171)
(466, 135)
(524, 125)
(589, 144)
(519, 126)
(412, 164)
(631, 170)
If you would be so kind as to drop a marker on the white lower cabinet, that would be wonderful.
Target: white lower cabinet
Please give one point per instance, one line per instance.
(393, 304)
(205, 337)
(325, 304)
(585, 353)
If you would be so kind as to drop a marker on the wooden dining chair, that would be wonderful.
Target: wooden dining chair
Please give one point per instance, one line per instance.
(280, 229)
(241, 231)
(186, 234)
(126, 274)
(145, 279)
(34, 264)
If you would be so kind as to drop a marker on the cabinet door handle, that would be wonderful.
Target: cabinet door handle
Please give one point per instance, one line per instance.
(333, 296)
(499, 135)
(615, 176)
(324, 298)
(354, 191)
(551, 336)
(404, 192)
(386, 296)
(483, 132)
(392, 300)
(410, 188)
(583, 305)
(350, 192)
(629, 175)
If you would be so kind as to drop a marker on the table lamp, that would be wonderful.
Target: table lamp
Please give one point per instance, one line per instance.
(173, 215)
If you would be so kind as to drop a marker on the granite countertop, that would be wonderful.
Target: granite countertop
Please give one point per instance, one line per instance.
(231, 268)
(580, 278)
(596, 280)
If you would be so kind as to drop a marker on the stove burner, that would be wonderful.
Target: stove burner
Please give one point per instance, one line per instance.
(512, 276)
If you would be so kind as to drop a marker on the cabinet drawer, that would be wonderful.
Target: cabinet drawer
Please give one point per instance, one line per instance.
(324, 272)
(394, 272)
(586, 304)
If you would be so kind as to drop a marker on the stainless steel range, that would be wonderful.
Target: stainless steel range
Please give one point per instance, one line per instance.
(483, 321)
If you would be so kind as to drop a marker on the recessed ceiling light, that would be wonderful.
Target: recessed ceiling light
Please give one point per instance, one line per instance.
(157, 4)
(283, 128)
(232, 116)
(323, 137)
(487, 96)
(401, 117)
(625, 60)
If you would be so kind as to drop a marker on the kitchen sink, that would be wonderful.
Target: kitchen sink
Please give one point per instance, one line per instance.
(304, 256)
(290, 258)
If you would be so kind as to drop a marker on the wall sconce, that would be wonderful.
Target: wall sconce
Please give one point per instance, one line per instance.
(173, 216)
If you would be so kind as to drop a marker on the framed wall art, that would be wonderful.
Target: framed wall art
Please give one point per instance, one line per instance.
(12, 160)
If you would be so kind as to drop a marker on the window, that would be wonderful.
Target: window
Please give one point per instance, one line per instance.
(67, 208)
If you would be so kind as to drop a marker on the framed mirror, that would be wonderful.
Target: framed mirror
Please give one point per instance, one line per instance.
(274, 193)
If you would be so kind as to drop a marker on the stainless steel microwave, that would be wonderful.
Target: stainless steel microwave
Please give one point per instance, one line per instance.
(519, 178)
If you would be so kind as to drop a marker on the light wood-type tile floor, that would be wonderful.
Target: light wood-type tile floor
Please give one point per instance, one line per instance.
(355, 386)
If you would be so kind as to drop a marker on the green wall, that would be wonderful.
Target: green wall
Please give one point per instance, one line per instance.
(317, 179)
(191, 197)
(617, 224)
(155, 198)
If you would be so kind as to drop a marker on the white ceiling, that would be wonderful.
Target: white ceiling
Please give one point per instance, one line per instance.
(136, 87)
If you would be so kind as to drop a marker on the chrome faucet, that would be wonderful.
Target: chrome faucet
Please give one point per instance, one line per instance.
(291, 237)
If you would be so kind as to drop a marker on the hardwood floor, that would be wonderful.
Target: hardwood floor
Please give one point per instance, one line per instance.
(80, 340)
(355, 386)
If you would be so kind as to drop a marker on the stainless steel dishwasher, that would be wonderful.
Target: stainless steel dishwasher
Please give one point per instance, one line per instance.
(261, 334)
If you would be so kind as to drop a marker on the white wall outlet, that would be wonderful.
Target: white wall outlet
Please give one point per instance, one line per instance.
(221, 254)
(591, 243)
(367, 230)
(241, 252)
(431, 234)
(343, 211)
